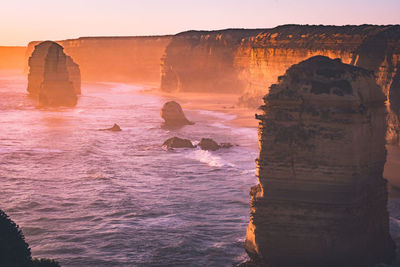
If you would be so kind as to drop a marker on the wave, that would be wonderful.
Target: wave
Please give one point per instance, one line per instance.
(209, 158)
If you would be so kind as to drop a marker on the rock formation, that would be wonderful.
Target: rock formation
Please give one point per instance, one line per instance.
(321, 198)
(115, 128)
(176, 142)
(14, 251)
(208, 144)
(173, 115)
(53, 76)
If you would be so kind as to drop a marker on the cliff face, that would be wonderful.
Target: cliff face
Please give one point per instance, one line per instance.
(203, 62)
(322, 153)
(53, 76)
(116, 59)
(249, 61)
(381, 53)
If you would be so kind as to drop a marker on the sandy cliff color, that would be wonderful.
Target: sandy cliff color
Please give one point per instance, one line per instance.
(116, 59)
(321, 198)
(249, 61)
(54, 78)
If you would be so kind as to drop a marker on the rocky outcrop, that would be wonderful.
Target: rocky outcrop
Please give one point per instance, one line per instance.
(53, 76)
(14, 251)
(114, 128)
(128, 59)
(208, 144)
(173, 115)
(321, 198)
(176, 142)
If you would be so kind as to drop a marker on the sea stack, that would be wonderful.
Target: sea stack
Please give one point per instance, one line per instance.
(54, 78)
(321, 198)
(173, 115)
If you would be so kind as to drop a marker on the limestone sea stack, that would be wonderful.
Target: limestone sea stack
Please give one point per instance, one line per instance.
(173, 115)
(54, 78)
(321, 198)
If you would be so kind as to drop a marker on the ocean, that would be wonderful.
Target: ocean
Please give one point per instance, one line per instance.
(98, 198)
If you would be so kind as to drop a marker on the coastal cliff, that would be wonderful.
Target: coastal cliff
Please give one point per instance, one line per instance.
(322, 153)
(247, 62)
(54, 78)
(116, 59)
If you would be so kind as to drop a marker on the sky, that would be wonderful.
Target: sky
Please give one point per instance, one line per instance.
(22, 21)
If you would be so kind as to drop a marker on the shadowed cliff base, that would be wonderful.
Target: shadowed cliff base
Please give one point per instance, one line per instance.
(54, 78)
(321, 198)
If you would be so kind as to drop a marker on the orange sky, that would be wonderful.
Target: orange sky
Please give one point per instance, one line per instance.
(24, 20)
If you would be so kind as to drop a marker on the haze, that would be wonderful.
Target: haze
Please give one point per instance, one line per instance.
(23, 21)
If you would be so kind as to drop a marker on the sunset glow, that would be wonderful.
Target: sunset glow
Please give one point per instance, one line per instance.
(22, 21)
(199, 133)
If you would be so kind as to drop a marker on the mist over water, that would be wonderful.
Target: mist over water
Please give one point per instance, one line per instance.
(98, 198)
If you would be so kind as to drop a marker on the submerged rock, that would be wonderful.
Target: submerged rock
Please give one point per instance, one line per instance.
(321, 198)
(176, 142)
(54, 79)
(173, 115)
(210, 144)
(115, 128)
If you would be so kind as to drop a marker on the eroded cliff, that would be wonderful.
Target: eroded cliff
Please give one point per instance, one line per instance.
(116, 59)
(54, 78)
(321, 198)
(249, 61)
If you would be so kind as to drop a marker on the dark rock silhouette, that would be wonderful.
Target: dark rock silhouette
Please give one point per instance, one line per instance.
(14, 251)
(173, 115)
(321, 198)
(115, 128)
(54, 79)
(176, 142)
(209, 144)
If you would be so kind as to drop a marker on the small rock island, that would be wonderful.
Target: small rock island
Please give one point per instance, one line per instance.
(321, 198)
(173, 115)
(54, 78)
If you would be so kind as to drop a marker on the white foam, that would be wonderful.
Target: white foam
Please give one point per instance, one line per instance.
(209, 158)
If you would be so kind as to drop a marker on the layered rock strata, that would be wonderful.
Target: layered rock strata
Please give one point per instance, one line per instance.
(247, 62)
(54, 78)
(321, 198)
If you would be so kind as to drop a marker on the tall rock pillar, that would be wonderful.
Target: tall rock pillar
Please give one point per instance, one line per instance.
(321, 198)
(53, 76)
